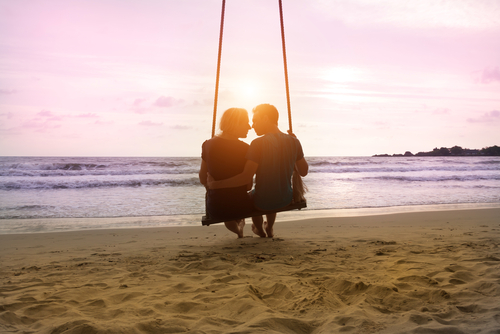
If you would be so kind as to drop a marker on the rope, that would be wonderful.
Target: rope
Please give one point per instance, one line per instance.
(218, 67)
(286, 70)
(298, 186)
(284, 63)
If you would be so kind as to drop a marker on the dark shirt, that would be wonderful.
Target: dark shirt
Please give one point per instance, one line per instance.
(276, 154)
(226, 158)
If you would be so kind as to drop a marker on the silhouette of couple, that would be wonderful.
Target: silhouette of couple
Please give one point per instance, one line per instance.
(228, 166)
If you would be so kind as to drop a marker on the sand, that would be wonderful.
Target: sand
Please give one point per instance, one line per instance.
(423, 272)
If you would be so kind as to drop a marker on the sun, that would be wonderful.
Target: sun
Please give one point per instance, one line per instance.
(248, 89)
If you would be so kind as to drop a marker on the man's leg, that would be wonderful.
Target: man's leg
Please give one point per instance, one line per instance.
(268, 226)
(258, 221)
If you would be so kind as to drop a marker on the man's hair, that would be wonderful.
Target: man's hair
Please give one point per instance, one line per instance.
(267, 110)
(232, 118)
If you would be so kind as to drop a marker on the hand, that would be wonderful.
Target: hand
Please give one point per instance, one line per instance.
(210, 181)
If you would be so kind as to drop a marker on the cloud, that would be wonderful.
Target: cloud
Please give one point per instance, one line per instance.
(166, 102)
(7, 92)
(45, 113)
(103, 122)
(149, 123)
(137, 106)
(441, 111)
(452, 13)
(10, 131)
(490, 75)
(181, 127)
(138, 102)
(139, 110)
(39, 126)
(87, 115)
(49, 115)
(204, 102)
(9, 115)
(492, 116)
(305, 126)
(42, 122)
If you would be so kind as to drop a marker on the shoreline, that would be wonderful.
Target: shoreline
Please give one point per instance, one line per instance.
(414, 272)
(50, 225)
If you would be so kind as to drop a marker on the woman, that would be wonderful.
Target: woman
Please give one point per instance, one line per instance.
(224, 156)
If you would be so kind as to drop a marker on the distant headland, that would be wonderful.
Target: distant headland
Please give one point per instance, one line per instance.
(455, 151)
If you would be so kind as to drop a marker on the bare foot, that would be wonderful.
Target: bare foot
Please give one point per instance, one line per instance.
(269, 230)
(260, 232)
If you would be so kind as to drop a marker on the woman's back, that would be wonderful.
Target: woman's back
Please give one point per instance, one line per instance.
(224, 159)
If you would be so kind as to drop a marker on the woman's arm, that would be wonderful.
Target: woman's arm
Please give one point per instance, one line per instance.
(244, 178)
(203, 173)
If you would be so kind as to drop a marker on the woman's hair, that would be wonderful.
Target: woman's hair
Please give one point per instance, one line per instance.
(298, 187)
(232, 118)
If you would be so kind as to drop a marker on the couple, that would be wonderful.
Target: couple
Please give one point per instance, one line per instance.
(228, 166)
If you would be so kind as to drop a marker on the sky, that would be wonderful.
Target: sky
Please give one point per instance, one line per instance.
(137, 78)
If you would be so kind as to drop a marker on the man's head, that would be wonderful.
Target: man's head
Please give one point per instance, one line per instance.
(265, 118)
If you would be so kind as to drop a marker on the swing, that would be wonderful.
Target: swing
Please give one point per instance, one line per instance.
(296, 204)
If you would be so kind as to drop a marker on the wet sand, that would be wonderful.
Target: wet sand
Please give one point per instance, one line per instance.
(420, 272)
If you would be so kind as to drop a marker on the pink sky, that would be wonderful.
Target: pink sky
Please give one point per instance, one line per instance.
(137, 78)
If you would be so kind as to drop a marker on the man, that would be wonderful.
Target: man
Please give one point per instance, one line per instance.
(272, 158)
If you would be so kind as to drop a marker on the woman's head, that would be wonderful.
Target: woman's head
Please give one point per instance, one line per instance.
(235, 122)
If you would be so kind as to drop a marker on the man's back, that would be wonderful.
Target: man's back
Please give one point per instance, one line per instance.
(276, 155)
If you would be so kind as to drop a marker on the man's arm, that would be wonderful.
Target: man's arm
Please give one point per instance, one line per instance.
(301, 164)
(241, 179)
(302, 167)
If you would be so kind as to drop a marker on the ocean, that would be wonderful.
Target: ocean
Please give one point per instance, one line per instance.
(46, 194)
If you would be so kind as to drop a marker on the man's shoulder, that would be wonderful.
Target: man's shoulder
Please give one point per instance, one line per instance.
(274, 135)
(242, 143)
(224, 142)
(283, 137)
(257, 141)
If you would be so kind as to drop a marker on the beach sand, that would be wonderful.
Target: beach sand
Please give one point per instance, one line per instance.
(421, 272)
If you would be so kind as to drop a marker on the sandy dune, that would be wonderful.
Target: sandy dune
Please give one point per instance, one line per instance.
(432, 272)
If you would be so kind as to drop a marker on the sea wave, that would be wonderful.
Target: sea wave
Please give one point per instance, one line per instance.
(396, 169)
(80, 169)
(433, 178)
(488, 162)
(79, 184)
(34, 187)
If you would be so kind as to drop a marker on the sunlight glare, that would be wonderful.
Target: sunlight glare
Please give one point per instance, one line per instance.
(248, 89)
(343, 74)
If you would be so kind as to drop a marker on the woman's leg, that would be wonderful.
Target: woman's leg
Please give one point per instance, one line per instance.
(236, 226)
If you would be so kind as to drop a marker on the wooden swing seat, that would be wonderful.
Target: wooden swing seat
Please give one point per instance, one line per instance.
(207, 221)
